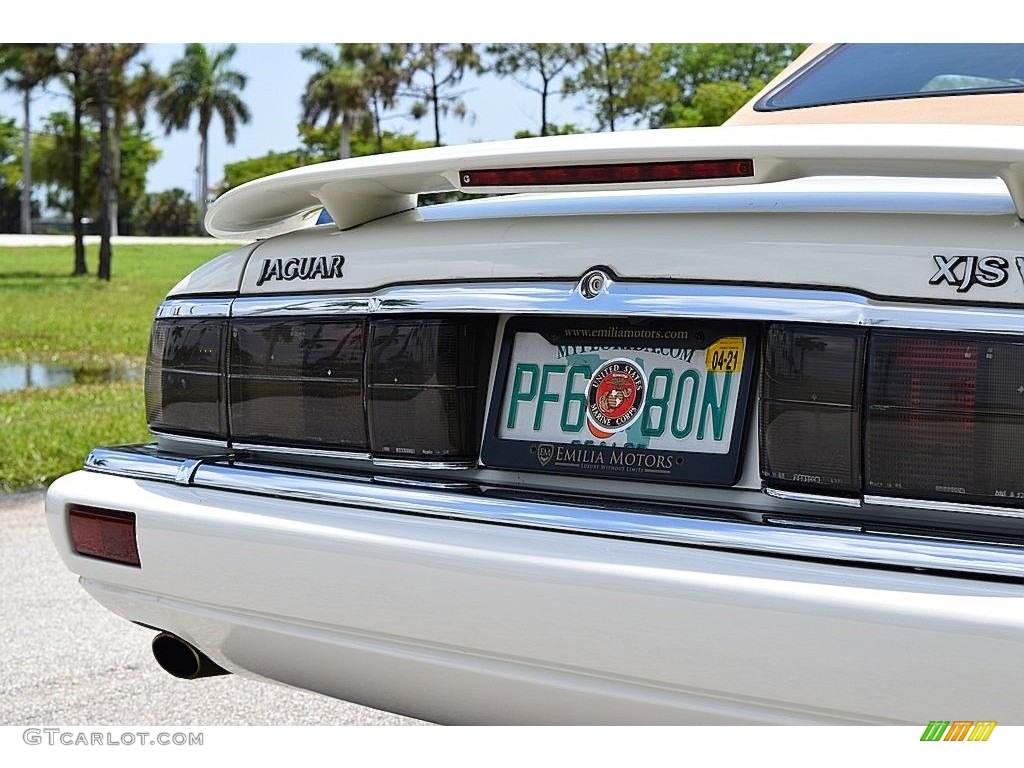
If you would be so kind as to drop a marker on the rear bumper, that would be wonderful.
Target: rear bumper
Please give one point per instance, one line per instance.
(456, 605)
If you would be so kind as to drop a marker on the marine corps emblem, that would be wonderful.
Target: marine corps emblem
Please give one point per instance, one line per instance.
(615, 397)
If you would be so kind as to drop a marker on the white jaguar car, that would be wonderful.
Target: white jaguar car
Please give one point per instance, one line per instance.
(697, 426)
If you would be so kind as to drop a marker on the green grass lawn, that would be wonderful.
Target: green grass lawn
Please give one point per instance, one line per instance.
(46, 316)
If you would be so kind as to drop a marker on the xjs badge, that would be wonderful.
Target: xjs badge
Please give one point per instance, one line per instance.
(615, 397)
(965, 272)
(306, 268)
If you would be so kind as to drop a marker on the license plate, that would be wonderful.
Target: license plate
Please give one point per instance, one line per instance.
(653, 399)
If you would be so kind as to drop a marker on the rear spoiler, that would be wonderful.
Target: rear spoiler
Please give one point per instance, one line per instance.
(362, 189)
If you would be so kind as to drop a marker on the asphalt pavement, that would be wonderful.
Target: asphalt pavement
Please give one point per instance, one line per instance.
(64, 660)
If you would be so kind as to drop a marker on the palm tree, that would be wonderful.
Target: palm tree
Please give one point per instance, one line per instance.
(31, 66)
(139, 90)
(103, 57)
(386, 74)
(339, 89)
(73, 60)
(95, 76)
(129, 95)
(201, 84)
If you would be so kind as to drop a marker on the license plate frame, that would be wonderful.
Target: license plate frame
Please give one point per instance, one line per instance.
(603, 349)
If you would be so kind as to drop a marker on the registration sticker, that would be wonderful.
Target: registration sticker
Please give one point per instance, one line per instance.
(725, 355)
(656, 398)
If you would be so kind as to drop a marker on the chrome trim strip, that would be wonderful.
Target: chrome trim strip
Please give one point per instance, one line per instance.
(187, 471)
(258, 306)
(520, 509)
(889, 501)
(205, 442)
(817, 195)
(410, 482)
(649, 299)
(287, 450)
(816, 525)
(144, 462)
(150, 463)
(194, 308)
(944, 506)
(813, 498)
(425, 464)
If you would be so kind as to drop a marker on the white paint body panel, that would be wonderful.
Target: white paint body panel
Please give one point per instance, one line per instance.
(470, 623)
(763, 235)
(457, 620)
(220, 275)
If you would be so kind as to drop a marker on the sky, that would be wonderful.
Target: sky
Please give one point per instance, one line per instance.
(277, 77)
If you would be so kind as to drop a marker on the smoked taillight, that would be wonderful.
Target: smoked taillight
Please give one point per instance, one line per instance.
(945, 418)
(185, 377)
(901, 414)
(106, 534)
(811, 409)
(397, 386)
(426, 386)
(298, 382)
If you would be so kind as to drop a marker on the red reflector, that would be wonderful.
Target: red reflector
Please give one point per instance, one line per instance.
(104, 533)
(622, 173)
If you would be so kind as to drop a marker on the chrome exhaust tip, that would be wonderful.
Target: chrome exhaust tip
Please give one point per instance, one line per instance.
(183, 660)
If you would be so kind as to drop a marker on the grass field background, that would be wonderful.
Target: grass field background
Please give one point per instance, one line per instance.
(92, 327)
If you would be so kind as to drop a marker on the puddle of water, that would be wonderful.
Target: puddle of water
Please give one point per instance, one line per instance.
(15, 377)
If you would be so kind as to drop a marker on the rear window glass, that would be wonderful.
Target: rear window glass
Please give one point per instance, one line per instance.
(879, 71)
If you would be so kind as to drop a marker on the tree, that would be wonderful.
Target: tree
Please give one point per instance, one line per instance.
(10, 175)
(712, 104)
(238, 173)
(138, 155)
(386, 74)
(202, 84)
(318, 144)
(53, 164)
(95, 75)
(73, 65)
(103, 55)
(129, 96)
(707, 82)
(434, 69)
(338, 91)
(622, 82)
(139, 90)
(547, 61)
(31, 66)
(553, 129)
(170, 213)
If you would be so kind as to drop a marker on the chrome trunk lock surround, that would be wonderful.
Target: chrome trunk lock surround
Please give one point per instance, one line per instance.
(594, 283)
